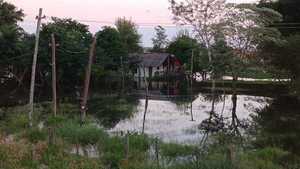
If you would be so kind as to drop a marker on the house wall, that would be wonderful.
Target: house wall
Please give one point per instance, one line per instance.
(140, 71)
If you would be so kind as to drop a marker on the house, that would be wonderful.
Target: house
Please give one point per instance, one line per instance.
(157, 64)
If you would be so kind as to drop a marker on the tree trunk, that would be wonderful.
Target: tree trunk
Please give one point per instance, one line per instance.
(213, 87)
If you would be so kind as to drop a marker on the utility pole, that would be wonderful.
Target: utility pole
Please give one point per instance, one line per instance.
(192, 67)
(32, 82)
(53, 45)
(83, 107)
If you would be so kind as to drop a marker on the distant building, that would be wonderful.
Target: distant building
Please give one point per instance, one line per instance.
(157, 64)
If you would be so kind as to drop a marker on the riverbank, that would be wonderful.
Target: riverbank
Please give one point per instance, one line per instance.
(247, 87)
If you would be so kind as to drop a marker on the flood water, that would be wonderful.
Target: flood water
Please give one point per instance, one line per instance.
(172, 121)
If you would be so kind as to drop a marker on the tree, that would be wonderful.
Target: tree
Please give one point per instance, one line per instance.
(206, 18)
(223, 58)
(182, 47)
(246, 28)
(109, 52)
(15, 45)
(129, 35)
(111, 48)
(285, 57)
(290, 10)
(9, 14)
(72, 53)
(160, 40)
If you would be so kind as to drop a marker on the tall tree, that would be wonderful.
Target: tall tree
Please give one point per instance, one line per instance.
(285, 56)
(129, 35)
(160, 40)
(246, 28)
(74, 39)
(111, 48)
(183, 45)
(290, 10)
(9, 14)
(204, 16)
(15, 45)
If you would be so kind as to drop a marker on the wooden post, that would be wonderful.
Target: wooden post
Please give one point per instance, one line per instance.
(53, 45)
(146, 100)
(192, 67)
(87, 79)
(33, 70)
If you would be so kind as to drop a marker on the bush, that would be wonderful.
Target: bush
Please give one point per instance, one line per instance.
(84, 135)
(173, 150)
(15, 123)
(35, 135)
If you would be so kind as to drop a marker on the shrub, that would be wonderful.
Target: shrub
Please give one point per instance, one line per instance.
(173, 150)
(34, 135)
(86, 134)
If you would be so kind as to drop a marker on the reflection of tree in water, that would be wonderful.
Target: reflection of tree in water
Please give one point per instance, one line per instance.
(111, 110)
(278, 125)
(217, 123)
(216, 98)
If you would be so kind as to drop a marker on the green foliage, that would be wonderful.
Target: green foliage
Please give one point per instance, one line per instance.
(74, 41)
(160, 40)
(9, 13)
(85, 134)
(173, 150)
(290, 10)
(15, 44)
(223, 59)
(182, 47)
(129, 35)
(268, 158)
(15, 123)
(110, 110)
(109, 49)
(114, 151)
(285, 57)
(35, 135)
(139, 142)
(56, 158)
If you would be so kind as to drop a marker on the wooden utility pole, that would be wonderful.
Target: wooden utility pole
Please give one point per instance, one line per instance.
(192, 67)
(53, 45)
(32, 82)
(88, 70)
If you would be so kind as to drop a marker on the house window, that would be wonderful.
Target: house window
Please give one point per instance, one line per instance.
(157, 68)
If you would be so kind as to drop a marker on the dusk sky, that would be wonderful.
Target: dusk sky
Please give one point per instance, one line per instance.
(146, 13)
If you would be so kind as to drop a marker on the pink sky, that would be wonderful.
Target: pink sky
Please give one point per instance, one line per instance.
(140, 11)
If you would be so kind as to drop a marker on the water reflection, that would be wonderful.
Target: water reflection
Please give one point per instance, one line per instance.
(110, 110)
(168, 121)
